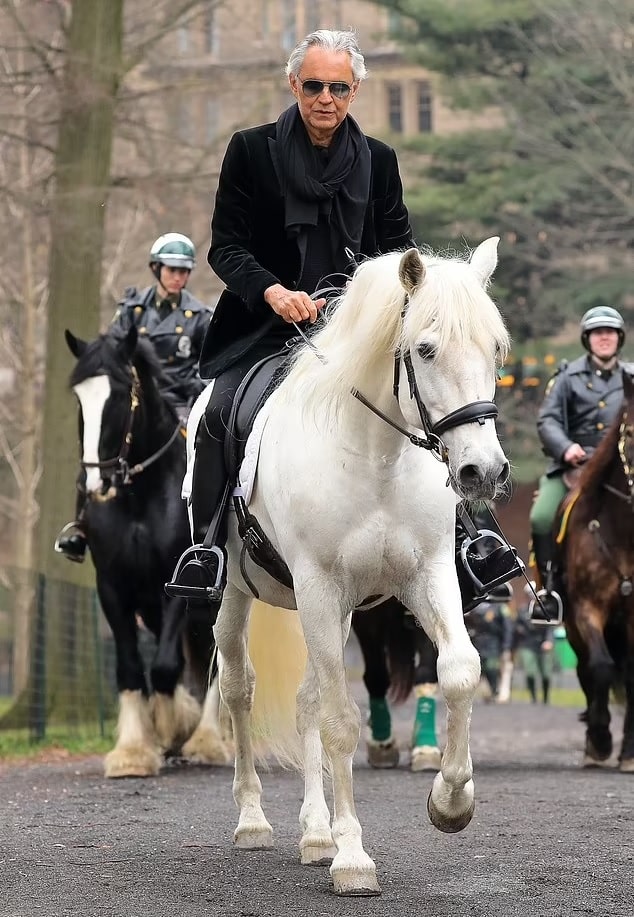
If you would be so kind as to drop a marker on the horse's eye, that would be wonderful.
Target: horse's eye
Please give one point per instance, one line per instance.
(426, 351)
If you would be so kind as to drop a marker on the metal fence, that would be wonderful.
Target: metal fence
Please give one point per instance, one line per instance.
(57, 674)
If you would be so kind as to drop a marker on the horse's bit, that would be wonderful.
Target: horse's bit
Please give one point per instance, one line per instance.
(123, 473)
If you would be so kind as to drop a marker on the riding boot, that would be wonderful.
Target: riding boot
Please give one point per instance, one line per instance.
(530, 684)
(200, 574)
(483, 561)
(71, 541)
(546, 689)
(548, 607)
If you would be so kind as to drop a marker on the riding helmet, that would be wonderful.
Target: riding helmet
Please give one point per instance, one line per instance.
(174, 250)
(602, 317)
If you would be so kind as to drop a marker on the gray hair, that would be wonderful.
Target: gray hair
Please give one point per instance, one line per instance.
(330, 40)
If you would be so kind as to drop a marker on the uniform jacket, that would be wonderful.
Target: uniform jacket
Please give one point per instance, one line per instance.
(579, 407)
(177, 339)
(250, 250)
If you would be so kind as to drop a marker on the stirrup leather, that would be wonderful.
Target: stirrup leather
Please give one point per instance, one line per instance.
(486, 566)
(199, 560)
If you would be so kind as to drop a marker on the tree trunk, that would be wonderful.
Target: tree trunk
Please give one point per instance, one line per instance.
(82, 175)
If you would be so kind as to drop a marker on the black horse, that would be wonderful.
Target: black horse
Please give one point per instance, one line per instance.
(398, 657)
(133, 462)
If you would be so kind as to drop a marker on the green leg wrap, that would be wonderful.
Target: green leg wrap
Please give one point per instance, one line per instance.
(425, 722)
(380, 719)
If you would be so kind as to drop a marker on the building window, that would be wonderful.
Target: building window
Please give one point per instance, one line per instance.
(424, 107)
(311, 15)
(265, 24)
(183, 39)
(395, 107)
(289, 25)
(211, 32)
(394, 24)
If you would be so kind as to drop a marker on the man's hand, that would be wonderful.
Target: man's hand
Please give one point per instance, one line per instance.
(292, 305)
(575, 455)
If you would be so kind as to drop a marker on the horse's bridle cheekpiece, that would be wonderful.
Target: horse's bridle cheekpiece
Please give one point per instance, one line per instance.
(470, 413)
(123, 474)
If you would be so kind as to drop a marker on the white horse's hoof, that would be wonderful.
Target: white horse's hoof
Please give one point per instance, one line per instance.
(355, 880)
(449, 824)
(425, 758)
(626, 765)
(450, 810)
(382, 754)
(253, 837)
(316, 851)
(132, 761)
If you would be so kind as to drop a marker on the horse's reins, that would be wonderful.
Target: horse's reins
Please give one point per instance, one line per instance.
(474, 411)
(125, 474)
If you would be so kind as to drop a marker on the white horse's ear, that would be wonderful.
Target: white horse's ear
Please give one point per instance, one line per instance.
(485, 258)
(411, 270)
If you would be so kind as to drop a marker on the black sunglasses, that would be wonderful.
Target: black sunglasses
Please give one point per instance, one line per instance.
(312, 88)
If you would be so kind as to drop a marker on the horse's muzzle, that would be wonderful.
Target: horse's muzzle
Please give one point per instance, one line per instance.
(476, 483)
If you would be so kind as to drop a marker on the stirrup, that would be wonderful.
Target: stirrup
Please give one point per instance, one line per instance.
(546, 608)
(487, 566)
(197, 563)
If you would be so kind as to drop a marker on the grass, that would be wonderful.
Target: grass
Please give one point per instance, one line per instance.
(61, 742)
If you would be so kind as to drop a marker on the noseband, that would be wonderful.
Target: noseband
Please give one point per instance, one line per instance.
(123, 473)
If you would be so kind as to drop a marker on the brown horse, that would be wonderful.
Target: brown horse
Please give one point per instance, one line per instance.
(599, 564)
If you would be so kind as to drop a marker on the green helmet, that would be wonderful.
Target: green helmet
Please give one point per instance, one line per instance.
(174, 250)
(602, 317)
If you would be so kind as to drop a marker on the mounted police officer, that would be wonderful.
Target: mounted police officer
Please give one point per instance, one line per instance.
(176, 323)
(581, 401)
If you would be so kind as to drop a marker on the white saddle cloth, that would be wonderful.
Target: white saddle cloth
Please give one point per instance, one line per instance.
(248, 469)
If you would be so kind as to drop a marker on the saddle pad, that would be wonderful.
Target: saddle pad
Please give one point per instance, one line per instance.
(249, 466)
(195, 415)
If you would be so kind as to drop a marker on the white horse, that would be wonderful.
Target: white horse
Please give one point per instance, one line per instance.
(359, 505)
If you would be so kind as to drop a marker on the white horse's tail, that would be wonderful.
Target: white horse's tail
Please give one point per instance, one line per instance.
(278, 654)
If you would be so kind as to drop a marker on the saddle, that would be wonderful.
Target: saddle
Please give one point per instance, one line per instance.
(258, 384)
(254, 390)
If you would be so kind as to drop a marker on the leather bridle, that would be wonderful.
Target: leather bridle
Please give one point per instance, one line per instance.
(124, 473)
(432, 441)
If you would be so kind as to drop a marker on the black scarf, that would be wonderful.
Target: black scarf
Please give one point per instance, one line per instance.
(337, 188)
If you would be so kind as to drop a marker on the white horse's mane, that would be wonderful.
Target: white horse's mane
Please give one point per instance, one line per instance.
(365, 329)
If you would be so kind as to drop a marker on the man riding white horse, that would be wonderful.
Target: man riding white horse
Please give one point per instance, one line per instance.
(299, 201)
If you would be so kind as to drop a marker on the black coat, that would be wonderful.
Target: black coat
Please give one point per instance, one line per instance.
(251, 251)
